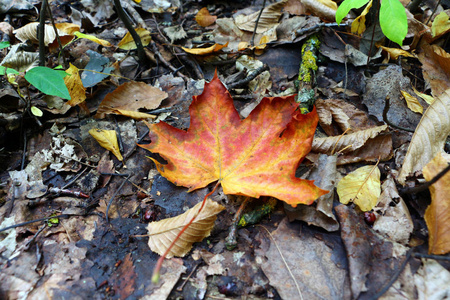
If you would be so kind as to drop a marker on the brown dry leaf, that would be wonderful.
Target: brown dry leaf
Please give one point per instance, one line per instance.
(350, 142)
(269, 18)
(441, 25)
(395, 221)
(361, 186)
(163, 232)
(396, 52)
(427, 98)
(204, 51)
(204, 18)
(128, 98)
(127, 43)
(359, 24)
(412, 102)
(435, 68)
(75, 86)
(295, 7)
(437, 215)
(29, 32)
(429, 138)
(322, 8)
(108, 140)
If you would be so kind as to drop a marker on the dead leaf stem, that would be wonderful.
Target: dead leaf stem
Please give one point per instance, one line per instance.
(252, 41)
(426, 185)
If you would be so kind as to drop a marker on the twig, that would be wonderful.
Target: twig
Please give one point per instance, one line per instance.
(39, 220)
(252, 41)
(61, 48)
(126, 21)
(114, 196)
(27, 245)
(230, 240)
(249, 78)
(155, 51)
(180, 288)
(426, 185)
(385, 118)
(436, 257)
(41, 34)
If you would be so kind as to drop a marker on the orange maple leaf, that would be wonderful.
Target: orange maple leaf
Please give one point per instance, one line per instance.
(255, 157)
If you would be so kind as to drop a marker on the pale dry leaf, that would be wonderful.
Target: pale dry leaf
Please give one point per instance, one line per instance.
(127, 43)
(205, 51)
(441, 25)
(350, 142)
(437, 215)
(163, 232)
(328, 113)
(322, 8)
(361, 186)
(429, 137)
(269, 18)
(131, 96)
(396, 52)
(108, 140)
(431, 280)
(412, 102)
(20, 60)
(29, 32)
(359, 24)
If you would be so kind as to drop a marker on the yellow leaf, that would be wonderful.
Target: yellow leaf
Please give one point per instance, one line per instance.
(108, 140)
(163, 232)
(437, 215)
(412, 102)
(359, 24)
(263, 42)
(204, 51)
(75, 86)
(395, 52)
(133, 114)
(362, 187)
(127, 43)
(427, 98)
(68, 28)
(92, 38)
(441, 25)
(36, 111)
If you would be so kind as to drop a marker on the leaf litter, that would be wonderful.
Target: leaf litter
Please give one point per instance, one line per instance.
(78, 254)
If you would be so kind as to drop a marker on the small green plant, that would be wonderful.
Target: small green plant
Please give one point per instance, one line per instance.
(393, 21)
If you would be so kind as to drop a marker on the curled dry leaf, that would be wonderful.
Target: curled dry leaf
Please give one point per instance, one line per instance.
(362, 187)
(412, 102)
(396, 52)
(108, 140)
(129, 97)
(350, 142)
(29, 32)
(93, 38)
(269, 18)
(429, 138)
(435, 68)
(437, 215)
(75, 86)
(127, 43)
(255, 157)
(163, 232)
(428, 99)
(204, 18)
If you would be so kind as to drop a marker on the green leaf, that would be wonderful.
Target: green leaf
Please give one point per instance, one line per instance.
(346, 6)
(4, 45)
(393, 21)
(8, 71)
(48, 81)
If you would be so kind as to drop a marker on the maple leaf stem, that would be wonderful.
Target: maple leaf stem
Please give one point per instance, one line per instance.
(155, 276)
